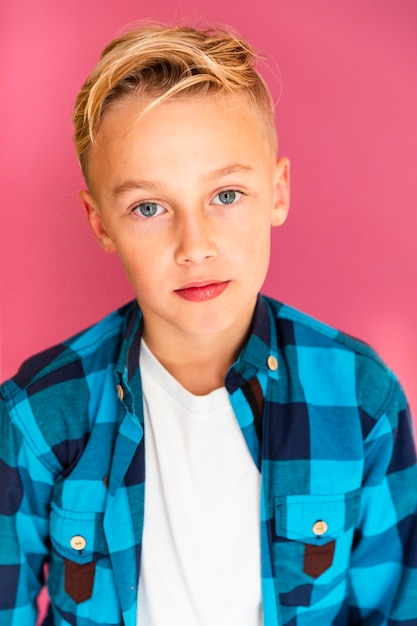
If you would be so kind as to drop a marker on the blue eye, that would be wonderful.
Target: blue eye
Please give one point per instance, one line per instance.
(148, 209)
(228, 196)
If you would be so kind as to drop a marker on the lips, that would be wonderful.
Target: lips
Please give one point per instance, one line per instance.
(201, 292)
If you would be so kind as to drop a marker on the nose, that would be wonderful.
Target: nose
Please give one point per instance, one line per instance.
(194, 238)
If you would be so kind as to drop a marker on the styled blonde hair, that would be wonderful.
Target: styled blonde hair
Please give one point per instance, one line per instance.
(162, 62)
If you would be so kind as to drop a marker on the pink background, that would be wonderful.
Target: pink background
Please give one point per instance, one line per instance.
(346, 118)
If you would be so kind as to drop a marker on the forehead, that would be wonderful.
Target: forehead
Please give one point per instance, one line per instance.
(137, 135)
(133, 115)
(220, 103)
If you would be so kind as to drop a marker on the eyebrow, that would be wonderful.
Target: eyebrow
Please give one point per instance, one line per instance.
(133, 185)
(235, 168)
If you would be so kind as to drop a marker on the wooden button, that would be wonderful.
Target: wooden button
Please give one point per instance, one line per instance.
(77, 542)
(320, 528)
(120, 392)
(272, 363)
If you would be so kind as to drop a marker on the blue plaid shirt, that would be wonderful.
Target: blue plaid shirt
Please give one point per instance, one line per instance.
(326, 424)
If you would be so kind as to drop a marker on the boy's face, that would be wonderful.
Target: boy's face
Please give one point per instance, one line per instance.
(186, 196)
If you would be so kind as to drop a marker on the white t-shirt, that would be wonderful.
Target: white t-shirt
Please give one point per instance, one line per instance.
(201, 541)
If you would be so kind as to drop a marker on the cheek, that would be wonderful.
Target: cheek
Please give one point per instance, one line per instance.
(254, 240)
(261, 247)
(250, 258)
(145, 265)
(131, 258)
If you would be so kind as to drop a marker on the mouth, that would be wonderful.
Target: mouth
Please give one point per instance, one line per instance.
(201, 292)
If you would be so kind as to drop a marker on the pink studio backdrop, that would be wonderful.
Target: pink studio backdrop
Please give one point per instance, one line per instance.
(346, 119)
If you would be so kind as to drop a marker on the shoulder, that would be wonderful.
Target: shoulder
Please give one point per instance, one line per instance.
(55, 396)
(335, 368)
(91, 348)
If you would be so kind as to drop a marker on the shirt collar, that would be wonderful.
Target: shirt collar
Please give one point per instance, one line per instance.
(127, 364)
(260, 353)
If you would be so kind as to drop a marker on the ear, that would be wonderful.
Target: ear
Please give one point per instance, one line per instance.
(282, 191)
(96, 221)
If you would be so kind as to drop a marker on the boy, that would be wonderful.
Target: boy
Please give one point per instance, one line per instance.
(204, 455)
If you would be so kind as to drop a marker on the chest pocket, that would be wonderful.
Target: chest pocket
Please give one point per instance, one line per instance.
(78, 544)
(311, 543)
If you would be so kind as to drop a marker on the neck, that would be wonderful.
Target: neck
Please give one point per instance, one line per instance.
(199, 363)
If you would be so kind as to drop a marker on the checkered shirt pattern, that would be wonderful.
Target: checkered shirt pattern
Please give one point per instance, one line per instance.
(326, 423)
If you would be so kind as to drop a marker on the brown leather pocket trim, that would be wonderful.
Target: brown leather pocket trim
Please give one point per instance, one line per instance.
(79, 580)
(317, 559)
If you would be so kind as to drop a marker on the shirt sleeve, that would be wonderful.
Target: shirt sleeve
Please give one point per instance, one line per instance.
(25, 493)
(383, 573)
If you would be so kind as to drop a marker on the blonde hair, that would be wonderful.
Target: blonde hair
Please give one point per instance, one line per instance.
(163, 62)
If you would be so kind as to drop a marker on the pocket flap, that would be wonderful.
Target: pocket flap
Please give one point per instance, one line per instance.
(77, 536)
(315, 518)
